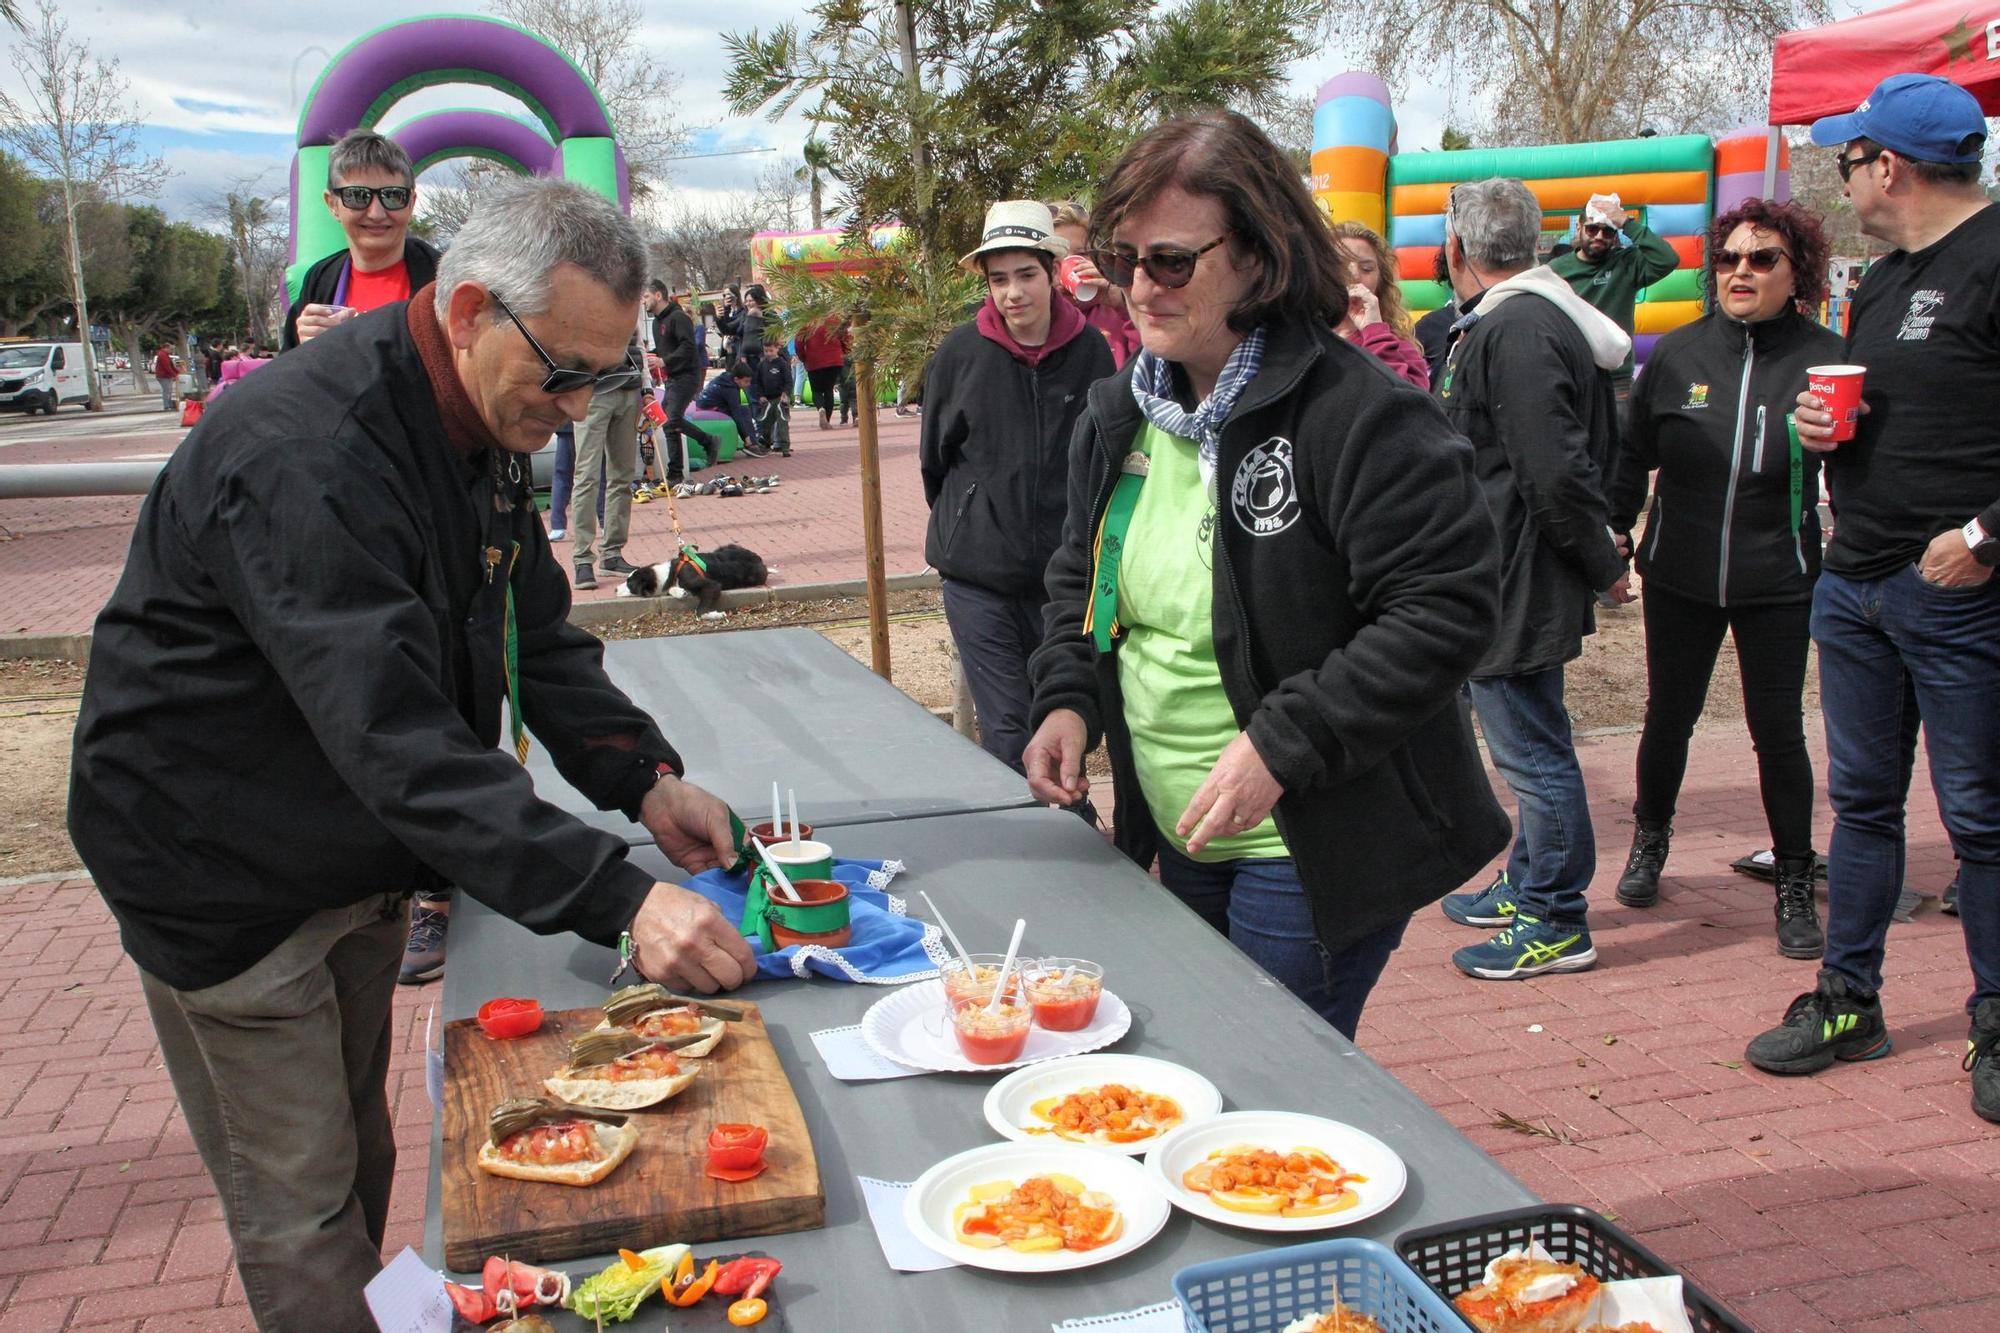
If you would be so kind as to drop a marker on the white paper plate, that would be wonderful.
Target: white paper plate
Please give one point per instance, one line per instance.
(911, 1028)
(1280, 1131)
(1008, 1101)
(927, 1208)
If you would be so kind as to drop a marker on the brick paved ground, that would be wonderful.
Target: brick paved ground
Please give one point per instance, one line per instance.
(1868, 1198)
(60, 558)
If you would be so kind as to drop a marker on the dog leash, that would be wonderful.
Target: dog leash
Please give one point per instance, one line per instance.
(687, 555)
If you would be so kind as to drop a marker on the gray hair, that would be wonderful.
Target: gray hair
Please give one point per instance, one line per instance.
(364, 150)
(522, 228)
(1498, 219)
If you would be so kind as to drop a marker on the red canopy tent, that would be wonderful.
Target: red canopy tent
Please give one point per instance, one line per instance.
(1827, 71)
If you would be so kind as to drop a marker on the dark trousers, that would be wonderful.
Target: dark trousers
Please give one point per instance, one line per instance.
(995, 634)
(824, 381)
(1894, 651)
(1683, 637)
(1259, 903)
(282, 1074)
(681, 390)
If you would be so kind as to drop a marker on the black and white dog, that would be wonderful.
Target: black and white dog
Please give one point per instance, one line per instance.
(728, 567)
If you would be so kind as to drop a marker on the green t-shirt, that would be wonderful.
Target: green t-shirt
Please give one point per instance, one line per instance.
(1175, 707)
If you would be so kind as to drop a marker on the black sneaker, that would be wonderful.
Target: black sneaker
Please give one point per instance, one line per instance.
(616, 564)
(1950, 907)
(1982, 1060)
(1826, 1024)
(754, 450)
(423, 954)
(1799, 933)
(585, 576)
(1639, 886)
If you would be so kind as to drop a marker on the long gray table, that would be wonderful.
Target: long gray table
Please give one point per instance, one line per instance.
(1195, 1000)
(749, 707)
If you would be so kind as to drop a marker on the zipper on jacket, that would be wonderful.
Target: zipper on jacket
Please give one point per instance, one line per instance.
(1757, 454)
(1658, 524)
(958, 517)
(1735, 466)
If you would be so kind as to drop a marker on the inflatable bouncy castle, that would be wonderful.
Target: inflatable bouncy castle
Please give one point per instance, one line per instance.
(1674, 184)
(819, 251)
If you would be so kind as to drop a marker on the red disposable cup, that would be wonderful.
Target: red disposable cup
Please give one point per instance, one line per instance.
(1068, 274)
(1839, 387)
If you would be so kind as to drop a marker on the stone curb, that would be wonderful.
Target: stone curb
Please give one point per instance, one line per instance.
(589, 615)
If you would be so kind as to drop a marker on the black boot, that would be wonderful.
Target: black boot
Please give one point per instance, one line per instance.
(1799, 934)
(1640, 885)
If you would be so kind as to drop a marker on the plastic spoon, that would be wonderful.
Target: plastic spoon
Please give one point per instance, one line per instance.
(949, 933)
(777, 817)
(792, 799)
(1013, 947)
(777, 872)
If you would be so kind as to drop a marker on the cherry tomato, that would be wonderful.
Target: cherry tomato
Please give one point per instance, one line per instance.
(509, 1017)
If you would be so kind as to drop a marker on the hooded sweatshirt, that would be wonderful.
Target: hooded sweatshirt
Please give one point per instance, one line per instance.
(998, 418)
(1528, 382)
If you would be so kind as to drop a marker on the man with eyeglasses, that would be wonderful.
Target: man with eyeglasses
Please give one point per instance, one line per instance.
(372, 194)
(1906, 613)
(340, 625)
(1610, 275)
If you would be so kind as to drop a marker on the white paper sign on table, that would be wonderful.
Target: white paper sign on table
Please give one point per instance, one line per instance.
(904, 1251)
(851, 1059)
(408, 1297)
(1165, 1317)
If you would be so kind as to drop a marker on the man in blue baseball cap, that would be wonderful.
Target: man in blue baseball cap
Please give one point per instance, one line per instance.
(1906, 612)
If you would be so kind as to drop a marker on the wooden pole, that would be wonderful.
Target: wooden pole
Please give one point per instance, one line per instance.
(871, 518)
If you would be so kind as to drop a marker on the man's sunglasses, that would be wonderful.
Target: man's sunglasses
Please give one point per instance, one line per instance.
(1169, 266)
(561, 379)
(1599, 229)
(395, 198)
(1848, 165)
(1761, 261)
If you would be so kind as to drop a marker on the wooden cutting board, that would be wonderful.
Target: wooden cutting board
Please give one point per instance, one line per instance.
(657, 1196)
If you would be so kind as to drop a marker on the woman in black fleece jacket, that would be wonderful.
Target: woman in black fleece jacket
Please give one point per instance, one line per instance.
(1289, 644)
(1732, 541)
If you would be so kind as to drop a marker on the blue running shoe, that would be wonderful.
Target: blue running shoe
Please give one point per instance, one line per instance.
(1491, 906)
(1527, 948)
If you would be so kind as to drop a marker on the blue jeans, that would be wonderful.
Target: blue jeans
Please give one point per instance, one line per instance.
(1893, 651)
(565, 480)
(1260, 905)
(1527, 734)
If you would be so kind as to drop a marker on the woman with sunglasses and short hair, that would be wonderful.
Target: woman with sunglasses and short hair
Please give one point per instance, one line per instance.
(1276, 573)
(1732, 541)
(371, 192)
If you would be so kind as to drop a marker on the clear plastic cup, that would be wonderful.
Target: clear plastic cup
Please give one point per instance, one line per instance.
(976, 987)
(1064, 992)
(992, 1037)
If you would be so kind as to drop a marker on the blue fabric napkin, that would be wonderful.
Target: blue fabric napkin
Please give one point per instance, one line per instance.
(888, 948)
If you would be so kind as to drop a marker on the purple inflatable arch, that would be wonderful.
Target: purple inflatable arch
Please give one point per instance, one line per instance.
(461, 132)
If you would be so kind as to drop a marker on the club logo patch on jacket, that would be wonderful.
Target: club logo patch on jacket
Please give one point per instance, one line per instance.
(1264, 496)
(1697, 397)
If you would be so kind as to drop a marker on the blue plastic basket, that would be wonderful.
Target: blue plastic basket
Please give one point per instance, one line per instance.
(1262, 1292)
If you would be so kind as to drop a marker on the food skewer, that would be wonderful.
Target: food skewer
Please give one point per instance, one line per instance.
(1013, 947)
(949, 933)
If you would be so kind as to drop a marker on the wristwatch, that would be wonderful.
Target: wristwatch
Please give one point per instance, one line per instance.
(1985, 548)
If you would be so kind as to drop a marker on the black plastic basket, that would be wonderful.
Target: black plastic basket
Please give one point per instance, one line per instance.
(1453, 1257)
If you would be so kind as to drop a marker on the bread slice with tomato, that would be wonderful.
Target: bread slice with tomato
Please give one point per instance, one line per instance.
(529, 1138)
(651, 1010)
(616, 1070)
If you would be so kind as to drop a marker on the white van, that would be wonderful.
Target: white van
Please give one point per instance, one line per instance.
(42, 377)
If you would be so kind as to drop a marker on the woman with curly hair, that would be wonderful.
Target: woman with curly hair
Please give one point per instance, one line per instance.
(1376, 318)
(1732, 540)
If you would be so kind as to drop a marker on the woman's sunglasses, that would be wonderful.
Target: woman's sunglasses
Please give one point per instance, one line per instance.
(561, 379)
(1169, 266)
(1761, 261)
(395, 198)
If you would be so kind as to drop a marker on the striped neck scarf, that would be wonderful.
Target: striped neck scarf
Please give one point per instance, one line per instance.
(1153, 390)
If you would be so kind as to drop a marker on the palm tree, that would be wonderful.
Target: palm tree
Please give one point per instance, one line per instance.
(11, 11)
(818, 161)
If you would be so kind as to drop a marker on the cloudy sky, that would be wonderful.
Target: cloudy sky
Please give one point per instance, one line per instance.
(219, 88)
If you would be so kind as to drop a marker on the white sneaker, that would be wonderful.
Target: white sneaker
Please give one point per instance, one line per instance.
(557, 534)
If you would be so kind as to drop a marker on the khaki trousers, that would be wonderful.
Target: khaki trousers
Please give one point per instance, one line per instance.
(608, 435)
(281, 1072)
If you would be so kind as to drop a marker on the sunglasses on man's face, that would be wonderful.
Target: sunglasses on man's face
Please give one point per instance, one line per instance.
(1760, 261)
(1599, 229)
(395, 198)
(561, 379)
(1848, 165)
(1169, 266)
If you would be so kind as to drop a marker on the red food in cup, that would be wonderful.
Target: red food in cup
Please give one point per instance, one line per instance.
(1065, 992)
(992, 1037)
(509, 1017)
(1839, 387)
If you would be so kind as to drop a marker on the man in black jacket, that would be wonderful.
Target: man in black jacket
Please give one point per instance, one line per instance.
(1002, 397)
(1527, 382)
(674, 345)
(293, 720)
(372, 193)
